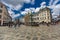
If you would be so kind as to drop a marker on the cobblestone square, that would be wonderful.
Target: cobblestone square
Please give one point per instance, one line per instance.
(42, 32)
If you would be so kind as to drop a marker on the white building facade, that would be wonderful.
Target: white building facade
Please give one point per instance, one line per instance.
(43, 15)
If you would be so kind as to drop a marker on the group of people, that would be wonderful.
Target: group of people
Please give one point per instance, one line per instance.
(14, 24)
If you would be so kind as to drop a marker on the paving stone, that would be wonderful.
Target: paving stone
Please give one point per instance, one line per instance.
(1, 38)
(28, 37)
(1, 35)
(42, 39)
(10, 38)
(30, 33)
(35, 38)
(21, 39)
(17, 35)
(22, 36)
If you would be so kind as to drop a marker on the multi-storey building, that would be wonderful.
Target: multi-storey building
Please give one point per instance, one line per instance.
(4, 15)
(43, 15)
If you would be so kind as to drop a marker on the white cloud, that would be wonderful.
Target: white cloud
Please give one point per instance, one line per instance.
(12, 2)
(51, 2)
(9, 5)
(24, 12)
(55, 2)
(15, 15)
(32, 9)
(43, 4)
(17, 4)
(27, 1)
(55, 8)
(37, 9)
(17, 7)
(12, 14)
(28, 10)
(12, 6)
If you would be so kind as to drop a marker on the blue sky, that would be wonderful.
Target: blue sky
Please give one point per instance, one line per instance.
(36, 4)
(18, 8)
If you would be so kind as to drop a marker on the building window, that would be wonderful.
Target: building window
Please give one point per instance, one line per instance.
(40, 18)
(0, 11)
(44, 14)
(34, 18)
(1, 6)
(0, 16)
(48, 17)
(0, 22)
(45, 18)
(37, 18)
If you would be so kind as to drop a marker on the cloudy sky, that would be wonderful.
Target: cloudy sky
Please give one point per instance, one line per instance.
(18, 8)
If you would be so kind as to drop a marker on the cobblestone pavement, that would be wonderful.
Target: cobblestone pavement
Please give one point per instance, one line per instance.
(42, 32)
